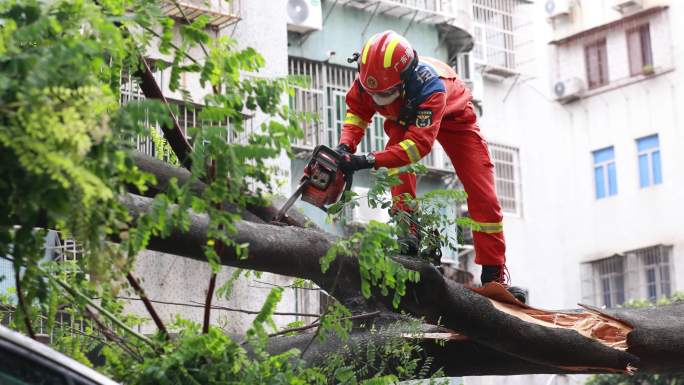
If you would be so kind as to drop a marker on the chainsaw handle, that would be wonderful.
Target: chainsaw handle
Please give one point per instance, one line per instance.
(348, 180)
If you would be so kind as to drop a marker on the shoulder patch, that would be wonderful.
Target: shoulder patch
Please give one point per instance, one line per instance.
(425, 73)
(423, 118)
(422, 84)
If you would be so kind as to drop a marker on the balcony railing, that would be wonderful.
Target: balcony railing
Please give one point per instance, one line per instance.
(221, 13)
(500, 34)
(419, 11)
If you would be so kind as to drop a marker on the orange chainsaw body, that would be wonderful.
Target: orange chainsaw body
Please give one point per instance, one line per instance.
(325, 182)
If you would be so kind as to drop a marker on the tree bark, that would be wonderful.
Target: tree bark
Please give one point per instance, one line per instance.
(501, 340)
(165, 172)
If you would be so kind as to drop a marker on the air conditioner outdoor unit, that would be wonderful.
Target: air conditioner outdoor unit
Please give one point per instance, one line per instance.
(558, 8)
(568, 89)
(624, 6)
(304, 15)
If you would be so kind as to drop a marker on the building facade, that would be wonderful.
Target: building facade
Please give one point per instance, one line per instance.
(579, 101)
(595, 116)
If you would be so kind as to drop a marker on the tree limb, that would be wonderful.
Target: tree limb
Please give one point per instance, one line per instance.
(22, 304)
(295, 252)
(148, 305)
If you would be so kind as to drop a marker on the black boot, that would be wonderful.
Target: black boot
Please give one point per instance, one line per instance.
(499, 273)
(409, 244)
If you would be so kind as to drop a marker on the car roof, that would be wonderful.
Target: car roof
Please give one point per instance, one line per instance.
(44, 352)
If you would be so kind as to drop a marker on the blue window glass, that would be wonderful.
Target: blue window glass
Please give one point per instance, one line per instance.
(644, 175)
(648, 153)
(600, 182)
(605, 172)
(657, 172)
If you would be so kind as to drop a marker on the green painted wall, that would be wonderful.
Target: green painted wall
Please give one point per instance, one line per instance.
(342, 33)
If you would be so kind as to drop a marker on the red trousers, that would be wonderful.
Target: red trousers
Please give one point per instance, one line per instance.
(468, 153)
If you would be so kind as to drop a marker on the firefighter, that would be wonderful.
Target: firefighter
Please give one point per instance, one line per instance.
(422, 99)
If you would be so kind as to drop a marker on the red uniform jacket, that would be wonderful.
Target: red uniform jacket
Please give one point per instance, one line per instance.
(433, 97)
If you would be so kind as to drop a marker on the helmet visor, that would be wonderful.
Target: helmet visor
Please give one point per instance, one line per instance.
(386, 93)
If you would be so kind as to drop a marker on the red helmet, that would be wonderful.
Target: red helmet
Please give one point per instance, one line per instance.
(384, 58)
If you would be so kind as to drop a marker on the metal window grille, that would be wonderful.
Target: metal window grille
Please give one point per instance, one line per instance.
(639, 274)
(655, 280)
(610, 274)
(319, 95)
(187, 117)
(6, 276)
(305, 301)
(495, 27)
(506, 161)
(425, 5)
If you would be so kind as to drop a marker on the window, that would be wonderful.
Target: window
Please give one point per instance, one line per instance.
(305, 302)
(607, 279)
(639, 50)
(321, 97)
(605, 176)
(648, 154)
(655, 270)
(17, 368)
(644, 273)
(596, 57)
(506, 161)
(495, 30)
(374, 140)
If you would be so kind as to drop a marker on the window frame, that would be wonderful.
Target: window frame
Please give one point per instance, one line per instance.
(614, 295)
(656, 270)
(645, 48)
(605, 166)
(514, 191)
(601, 69)
(654, 167)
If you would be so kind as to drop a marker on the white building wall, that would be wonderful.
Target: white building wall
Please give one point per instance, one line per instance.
(562, 221)
(563, 224)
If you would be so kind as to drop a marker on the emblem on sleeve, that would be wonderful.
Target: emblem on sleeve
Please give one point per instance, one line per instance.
(423, 118)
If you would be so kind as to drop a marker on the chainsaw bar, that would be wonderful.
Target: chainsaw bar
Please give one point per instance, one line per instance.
(291, 201)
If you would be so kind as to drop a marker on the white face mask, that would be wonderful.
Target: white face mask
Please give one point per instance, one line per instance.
(385, 100)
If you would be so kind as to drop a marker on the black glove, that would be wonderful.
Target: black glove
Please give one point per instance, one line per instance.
(342, 149)
(351, 163)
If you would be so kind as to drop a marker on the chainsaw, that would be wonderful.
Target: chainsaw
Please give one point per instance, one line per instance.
(323, 181)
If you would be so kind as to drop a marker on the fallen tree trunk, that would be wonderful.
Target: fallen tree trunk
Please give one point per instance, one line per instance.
(456, 357)
(497, 327)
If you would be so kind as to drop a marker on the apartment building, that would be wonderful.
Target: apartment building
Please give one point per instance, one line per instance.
(595, 117)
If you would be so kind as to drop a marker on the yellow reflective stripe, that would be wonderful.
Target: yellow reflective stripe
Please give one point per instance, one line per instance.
(355, 120)
(387, 63)
(411, 150)
(488, 227)
(394, 171)
(364, 53)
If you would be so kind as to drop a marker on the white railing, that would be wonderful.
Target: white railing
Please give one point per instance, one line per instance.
(500, 31)
(221, 13)
(439, 6)
(319, 94)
